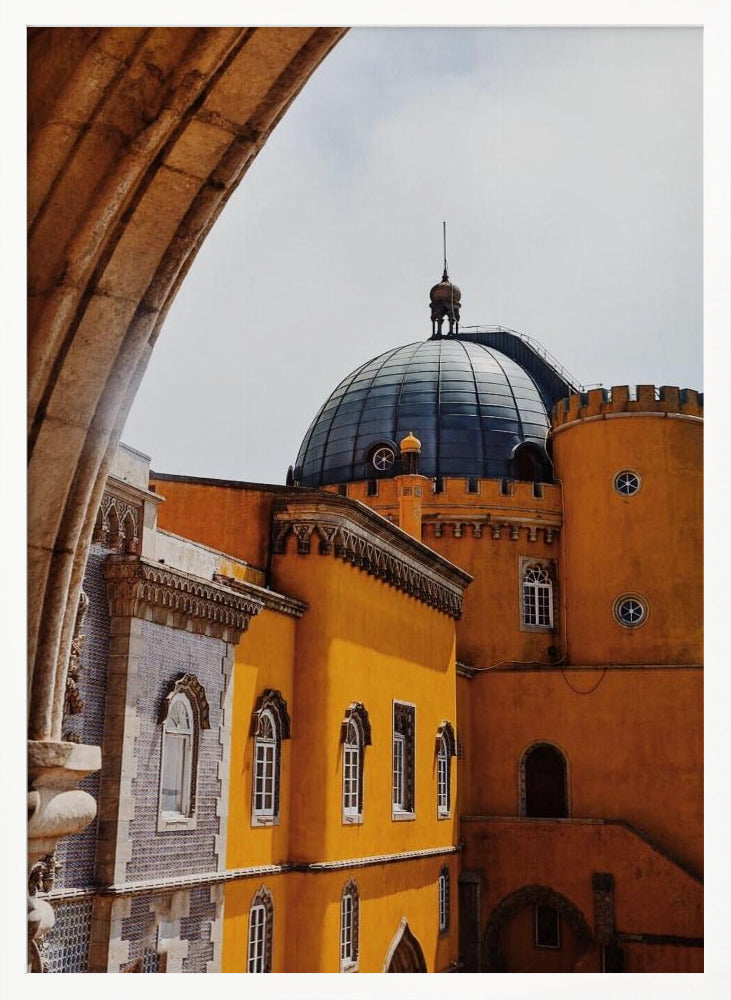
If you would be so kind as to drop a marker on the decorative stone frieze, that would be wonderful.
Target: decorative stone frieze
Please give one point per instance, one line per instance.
(351, 532)
(139, 588)
(118, 524)
(272, 600)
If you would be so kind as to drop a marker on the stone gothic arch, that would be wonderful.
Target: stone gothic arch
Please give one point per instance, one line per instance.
(404, 953)
(511, 905)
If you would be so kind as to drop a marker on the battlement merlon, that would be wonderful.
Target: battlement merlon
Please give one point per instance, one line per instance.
(627, 400)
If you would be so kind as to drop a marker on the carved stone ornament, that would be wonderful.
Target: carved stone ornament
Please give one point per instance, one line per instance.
(138, 588)
(74, 703)
(355, 534)
(446, 732)
(56, 808)
(191, 687)
(117, 524)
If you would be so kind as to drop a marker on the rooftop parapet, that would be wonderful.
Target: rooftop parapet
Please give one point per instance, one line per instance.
(627, 399)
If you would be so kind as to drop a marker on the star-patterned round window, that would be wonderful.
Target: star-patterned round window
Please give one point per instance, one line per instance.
(383, 458)
(630, 610)
(627, 483)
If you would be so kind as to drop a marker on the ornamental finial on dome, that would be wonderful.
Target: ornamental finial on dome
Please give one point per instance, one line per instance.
(445, 299)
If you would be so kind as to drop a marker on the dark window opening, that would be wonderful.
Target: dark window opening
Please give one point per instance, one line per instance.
(372, 490)
(547, 927)
(545, 783)
(439, 485)
(531, 464)
(472, 486)
(538, 490)
(506, 487)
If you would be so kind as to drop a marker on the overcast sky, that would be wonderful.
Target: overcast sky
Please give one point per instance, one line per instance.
(568, 165)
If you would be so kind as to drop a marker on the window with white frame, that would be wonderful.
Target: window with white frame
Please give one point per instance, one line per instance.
(537, 597)
(261, 917)
(265, 765)
(402, 785)
(177, 758)
(183, 714)
(355, 736)
(444, 900)
(349, 914)
(270, 725)
(351, 771)
(446, 748)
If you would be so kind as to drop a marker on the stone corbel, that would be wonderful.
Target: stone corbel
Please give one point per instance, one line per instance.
(56, 808)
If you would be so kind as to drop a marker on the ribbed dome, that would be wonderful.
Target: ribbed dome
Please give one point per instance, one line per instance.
(469, 405)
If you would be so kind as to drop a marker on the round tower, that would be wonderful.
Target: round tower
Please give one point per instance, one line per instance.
(631, 470)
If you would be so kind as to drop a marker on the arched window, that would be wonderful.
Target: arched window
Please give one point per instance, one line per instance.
(270, 725)
(445, 750)
(355, 736)
(544, 791)
(349, 916)
(537, 597)
(261, 925)
(183, 714)
(266, 760)
(444, 900)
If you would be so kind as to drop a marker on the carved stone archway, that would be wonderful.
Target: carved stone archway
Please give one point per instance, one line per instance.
(510, 906)
(137, 137)
(404, 953)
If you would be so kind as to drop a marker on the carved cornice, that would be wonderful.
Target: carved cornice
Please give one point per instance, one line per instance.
(137, 588)
(352, 532)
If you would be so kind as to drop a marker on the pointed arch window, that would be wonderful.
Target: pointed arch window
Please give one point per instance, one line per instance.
(261, 926)
(537, 596)
(349, 920)
(446, 748)
(270, 725)
(355, 737)
(183, 714)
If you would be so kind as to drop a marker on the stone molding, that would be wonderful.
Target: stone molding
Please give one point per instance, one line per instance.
(352, 532)
(139, 588)
(488, 525)
(74, 702)
(273, 601)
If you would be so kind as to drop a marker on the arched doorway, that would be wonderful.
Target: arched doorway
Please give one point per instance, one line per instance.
(531, 463)
(536, 929)
(543, 782)
(405, 953)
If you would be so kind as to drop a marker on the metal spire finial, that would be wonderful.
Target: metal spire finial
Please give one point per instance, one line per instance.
(445, 276)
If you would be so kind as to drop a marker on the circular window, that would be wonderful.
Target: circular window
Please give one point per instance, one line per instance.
(627, 483)
(383, 458)
(630, 610)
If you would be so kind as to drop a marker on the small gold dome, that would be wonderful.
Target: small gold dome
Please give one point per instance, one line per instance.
(410, 443)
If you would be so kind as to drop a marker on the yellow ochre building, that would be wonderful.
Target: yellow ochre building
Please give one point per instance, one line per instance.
(435, 705)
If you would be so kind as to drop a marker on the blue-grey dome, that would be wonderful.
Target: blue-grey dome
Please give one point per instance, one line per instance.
(470, 405)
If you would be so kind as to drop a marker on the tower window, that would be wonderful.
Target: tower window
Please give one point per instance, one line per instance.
(547, 927)
(404, 717)
(627, 483)
(383, 458)
(630, 610)
(537, 597)
(355, 737)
